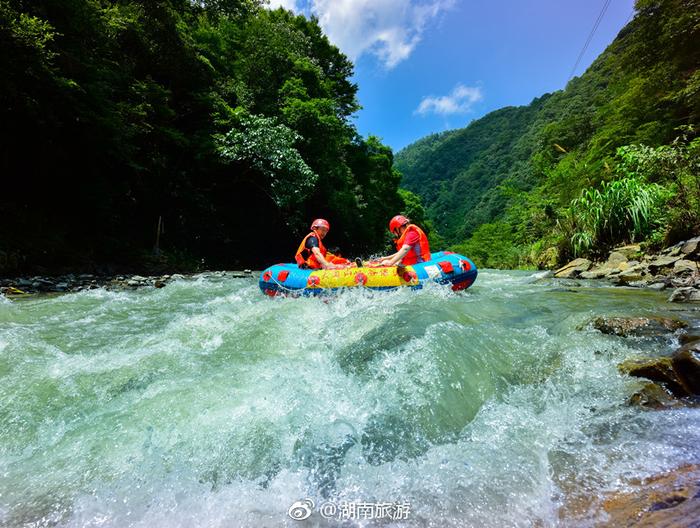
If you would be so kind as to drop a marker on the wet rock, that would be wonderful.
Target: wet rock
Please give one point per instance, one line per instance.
(659, 370)
(688, 338)
(653, 396)
(685, 294)
(637, 326)
(679, 374)
(686, 365)
(573, 268)
(658, 286)
(159, 283)
(61, 286)
(176, 276)
(670, 500)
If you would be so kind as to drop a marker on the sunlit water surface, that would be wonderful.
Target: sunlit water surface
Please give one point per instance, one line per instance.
(207, 404)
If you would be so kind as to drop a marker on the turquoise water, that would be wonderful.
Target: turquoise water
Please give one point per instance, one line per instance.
(207, 404)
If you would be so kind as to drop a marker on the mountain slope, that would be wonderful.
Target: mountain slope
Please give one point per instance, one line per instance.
(520, 167)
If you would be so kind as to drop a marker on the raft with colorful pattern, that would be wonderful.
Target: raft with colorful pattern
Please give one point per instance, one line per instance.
(444, 267)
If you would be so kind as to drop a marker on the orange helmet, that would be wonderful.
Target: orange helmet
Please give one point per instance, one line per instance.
(396, 222)
(320, 222)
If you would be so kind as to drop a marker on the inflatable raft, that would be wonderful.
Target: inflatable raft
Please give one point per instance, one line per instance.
(444, 267)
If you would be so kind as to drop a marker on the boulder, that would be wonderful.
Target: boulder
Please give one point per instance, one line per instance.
(637, 326)
(686, 365)
(691, 248)
(657, 286)
(629, 251)
(634, 274)
(615, 259)
(159, 283)
(598, 273)
(685, 266)
(653, 396)
(662, 262)
(680, 373)
(685, 294)
(573, 268)
(669, 500)
(659, 370)
(688, 338)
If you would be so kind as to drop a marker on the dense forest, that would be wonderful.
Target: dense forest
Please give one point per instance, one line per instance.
(139, 134)
(613, 158)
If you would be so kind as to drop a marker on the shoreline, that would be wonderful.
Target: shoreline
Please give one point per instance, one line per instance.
(72, 283)
(675, 268)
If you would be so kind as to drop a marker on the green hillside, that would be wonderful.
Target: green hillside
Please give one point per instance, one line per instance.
(612, 158)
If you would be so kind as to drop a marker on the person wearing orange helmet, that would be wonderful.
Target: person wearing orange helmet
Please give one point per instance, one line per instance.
(313, 254)
(411, 244)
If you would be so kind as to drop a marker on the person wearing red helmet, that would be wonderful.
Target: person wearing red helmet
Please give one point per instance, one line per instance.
(312, 253)
(411, 243)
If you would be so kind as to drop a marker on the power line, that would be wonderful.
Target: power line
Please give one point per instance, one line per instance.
(590, 37)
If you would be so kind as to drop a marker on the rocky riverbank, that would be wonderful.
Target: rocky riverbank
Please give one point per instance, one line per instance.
(669, 381)
(75, 283)
(676, 268)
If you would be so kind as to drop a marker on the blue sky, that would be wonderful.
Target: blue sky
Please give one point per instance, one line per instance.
(425, 66)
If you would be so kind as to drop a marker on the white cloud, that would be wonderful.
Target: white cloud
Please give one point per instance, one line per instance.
(389, 29)
(459, 101)
(287, 4)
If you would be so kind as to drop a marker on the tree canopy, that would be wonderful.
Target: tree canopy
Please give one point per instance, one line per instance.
(225, 123)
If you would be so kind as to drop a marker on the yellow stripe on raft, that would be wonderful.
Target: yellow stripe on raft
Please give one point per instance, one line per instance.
(385, 277)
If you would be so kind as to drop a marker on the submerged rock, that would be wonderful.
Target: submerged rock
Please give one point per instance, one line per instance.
(654, 396)
(670, 500)
(637, 326)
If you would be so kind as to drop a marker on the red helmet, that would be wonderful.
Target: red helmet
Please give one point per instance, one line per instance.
(396, 222)
(320, 222)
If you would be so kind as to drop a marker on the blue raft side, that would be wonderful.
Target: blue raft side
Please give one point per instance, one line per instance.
(295, 283)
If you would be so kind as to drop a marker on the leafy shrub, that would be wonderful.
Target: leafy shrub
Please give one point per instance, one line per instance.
(624, 210)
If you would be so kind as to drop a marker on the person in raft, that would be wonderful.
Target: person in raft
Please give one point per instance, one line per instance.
(411, 244)
(312, 254)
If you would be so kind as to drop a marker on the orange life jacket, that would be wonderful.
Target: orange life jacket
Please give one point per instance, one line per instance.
(311, 260)
(419, 252)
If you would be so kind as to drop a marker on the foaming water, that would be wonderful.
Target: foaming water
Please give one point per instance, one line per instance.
(207, 404)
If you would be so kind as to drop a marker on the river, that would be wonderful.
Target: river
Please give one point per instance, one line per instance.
(206, 403)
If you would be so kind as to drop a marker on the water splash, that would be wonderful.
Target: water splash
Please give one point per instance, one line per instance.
(206, 404)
